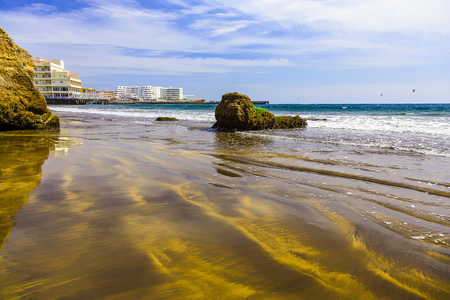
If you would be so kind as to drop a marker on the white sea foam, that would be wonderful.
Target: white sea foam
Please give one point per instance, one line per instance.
(398, 124)
(395, 142)
(188, 115)
(437, 125)
(419, 134)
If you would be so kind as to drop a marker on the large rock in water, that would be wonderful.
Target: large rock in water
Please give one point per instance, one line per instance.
(22, 106)
(237, 112)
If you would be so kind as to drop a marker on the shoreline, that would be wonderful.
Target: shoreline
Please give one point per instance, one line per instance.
(76, 101)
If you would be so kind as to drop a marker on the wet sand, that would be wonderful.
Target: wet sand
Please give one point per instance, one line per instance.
(103, 209)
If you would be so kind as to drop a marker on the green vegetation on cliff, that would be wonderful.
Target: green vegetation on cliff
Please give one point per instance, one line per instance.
(21, 105)
(237, 112)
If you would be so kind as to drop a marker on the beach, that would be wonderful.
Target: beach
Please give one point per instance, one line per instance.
(115, 205)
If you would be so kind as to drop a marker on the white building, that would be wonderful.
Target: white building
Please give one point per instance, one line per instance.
(140, 92)
(149, 92)
(52, 80)
(157, 92)
(189, 97)
(171, 93)
(146, 92)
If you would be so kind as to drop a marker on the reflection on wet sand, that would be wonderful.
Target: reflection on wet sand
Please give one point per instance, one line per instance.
(21, 159)
(232, 141)
(136, 220)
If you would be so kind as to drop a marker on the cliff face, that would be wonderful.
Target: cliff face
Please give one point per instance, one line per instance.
(21, 105)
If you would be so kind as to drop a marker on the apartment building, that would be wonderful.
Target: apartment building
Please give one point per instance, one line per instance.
(53, 81)
(149, 92)
(141, 92)
(105, 94)
(171, 93)
(88, 93)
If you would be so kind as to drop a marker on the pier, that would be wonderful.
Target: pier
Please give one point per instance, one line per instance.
(76, 101)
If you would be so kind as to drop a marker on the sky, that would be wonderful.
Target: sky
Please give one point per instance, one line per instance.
(283, 51)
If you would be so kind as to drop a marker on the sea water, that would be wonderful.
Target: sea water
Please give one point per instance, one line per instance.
(419, 128)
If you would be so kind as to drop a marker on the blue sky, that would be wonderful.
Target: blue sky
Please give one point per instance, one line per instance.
(284, 51)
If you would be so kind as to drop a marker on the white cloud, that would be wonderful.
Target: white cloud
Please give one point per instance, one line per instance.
(216, 28)
(197, 10)
(353, 15)
(41, 7)
(109, 24)
(235, 36)
(106, 60)
(266, 27)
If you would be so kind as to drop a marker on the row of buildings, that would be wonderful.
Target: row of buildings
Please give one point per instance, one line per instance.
(54, 81)
(150, 93)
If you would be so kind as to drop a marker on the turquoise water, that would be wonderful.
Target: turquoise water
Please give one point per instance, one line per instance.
(418, 128)
(368, 109)
(364, 109)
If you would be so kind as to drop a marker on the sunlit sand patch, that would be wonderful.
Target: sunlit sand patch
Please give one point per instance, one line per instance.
(24, 290)
(40, 274)
(260, 224)
(439, 256)
(287, 248)
(187, 266)
(281, 245)
(409, 279)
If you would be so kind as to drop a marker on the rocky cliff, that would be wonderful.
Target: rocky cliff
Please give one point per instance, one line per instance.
(21, 105)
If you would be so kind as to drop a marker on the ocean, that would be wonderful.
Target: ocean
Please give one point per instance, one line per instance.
(419, 128)
(117, 205)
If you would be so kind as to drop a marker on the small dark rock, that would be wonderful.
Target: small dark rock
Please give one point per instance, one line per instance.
(289, 122)
(317, 119)
(166, 119)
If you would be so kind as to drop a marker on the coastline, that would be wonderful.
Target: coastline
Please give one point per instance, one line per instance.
(130, 208)
(76, 101)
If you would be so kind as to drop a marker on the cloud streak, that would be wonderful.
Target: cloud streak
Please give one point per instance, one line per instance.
(281, 38)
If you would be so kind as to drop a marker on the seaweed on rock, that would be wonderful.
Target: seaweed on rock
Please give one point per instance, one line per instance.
(237, 112)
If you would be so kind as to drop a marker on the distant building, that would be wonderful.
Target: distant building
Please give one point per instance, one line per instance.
(105, 94)
(88, 93)
(171, 93)
(189, 97)
(149, 92)
(53, 81)
(141, 92)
